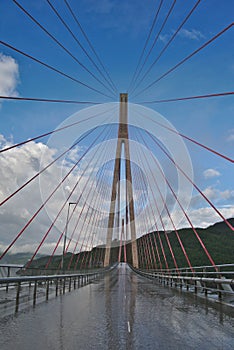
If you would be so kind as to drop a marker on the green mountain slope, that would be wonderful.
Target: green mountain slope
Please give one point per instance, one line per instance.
(218, 239)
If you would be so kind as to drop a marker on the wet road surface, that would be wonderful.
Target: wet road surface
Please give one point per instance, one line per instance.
(120, 311)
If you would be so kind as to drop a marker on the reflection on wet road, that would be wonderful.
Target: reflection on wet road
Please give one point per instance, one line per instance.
(121, 311)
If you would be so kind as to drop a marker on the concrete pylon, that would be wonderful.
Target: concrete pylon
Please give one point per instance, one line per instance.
(122, 140)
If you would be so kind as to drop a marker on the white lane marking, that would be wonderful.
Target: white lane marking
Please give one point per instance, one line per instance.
(125, 296)
(129, 328)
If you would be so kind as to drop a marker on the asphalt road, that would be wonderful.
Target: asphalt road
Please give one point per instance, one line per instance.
(121, 311)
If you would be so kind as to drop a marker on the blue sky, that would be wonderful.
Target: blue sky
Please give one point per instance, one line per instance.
(118, 30)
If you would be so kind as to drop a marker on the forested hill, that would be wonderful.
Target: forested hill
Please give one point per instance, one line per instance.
(218, 239)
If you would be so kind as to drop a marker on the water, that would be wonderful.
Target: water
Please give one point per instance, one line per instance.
(121, 311)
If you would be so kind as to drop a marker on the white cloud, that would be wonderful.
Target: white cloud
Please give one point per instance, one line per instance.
(16, 167)
(164, 38)
(9, 75)
(101, 6)
(210, 173)
(217, 195)
(130, 17)
(21, 163)
(204, 217)
(192, 34)
(230, 137)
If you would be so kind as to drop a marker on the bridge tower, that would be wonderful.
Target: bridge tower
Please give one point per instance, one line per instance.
(123, 140)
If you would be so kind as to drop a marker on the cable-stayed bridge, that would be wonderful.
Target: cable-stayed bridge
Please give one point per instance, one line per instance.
(125, 246)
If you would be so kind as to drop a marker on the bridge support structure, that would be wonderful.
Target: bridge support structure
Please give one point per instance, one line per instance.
(123, 141)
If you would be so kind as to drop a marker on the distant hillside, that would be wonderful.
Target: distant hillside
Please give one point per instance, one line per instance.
(218, 239)
(18, 258)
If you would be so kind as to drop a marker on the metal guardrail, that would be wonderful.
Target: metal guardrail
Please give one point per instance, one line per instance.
(59, 282)
(8, 270)
(199, 279)
(222, 269)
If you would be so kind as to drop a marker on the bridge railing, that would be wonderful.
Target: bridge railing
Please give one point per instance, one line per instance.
(9, 270)
(42, 272)
(222, 270)
(43, 285)
(201, 279)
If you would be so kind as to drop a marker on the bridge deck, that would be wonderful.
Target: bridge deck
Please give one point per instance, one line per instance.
(121, 311)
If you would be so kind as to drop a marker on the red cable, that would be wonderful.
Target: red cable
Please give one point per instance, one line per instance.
(160, 241)
(91, 188)
(188, 178)
(190, 98)
(48, 133)
(151, 242)
(146, 43)
(187, 57)
(57, 244)
(72, 257)
(78, 256)
(187, 217)
(52, 68)
(37, 212)
(90, 44)
(192, 140)
(168, 242)
(155, 40)
(175, 230)
(144, 253)
(88, 255)
(59, 43)
(41, 171)
(61, 209)
(81, 230)
(148, 242)
(169, 42)
(164, 229)
(75, 38)
(156, 245)
(35, 99)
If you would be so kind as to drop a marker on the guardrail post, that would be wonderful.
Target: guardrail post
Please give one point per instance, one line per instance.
(187, 284)
(17, 297)
(219, 292)
(47, 289)
(8, 275)
(35, 293)
(205, 289)
(56, 287)
(74, 282)
(64, 285)
(69, 288)
(181, 282)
